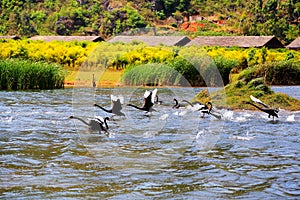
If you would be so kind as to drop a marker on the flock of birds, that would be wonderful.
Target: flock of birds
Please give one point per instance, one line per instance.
(150, 99)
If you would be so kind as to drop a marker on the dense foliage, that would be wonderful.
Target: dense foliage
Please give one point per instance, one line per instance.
(24, 75)
(153, 75)
(252, 17)
(273, 73)
(205, 66)
(69, 54)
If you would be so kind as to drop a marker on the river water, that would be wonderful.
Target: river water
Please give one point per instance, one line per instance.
(168, 154)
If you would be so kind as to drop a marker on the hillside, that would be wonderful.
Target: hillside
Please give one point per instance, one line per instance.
(107, 18)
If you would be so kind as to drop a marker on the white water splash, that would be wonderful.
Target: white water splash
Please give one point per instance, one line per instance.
(180, 113)
(228, 115)
(247, 137)
(6, 119)
(290, 118)
(164, 117)
(149, 134)
(240, 119)
(112, 135)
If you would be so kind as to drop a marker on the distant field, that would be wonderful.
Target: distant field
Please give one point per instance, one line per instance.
(107, 78)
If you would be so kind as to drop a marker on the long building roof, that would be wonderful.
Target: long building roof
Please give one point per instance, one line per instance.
(295, 44)
(67, 38)
(154, 40)
(238, 41)
(13, 37)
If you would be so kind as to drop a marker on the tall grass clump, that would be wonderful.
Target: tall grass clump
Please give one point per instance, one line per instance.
(180, 72)
(152, 74)
(224, 66)
(25, 75)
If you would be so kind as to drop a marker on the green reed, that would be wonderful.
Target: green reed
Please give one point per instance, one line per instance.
(26, 75)
(152, 74)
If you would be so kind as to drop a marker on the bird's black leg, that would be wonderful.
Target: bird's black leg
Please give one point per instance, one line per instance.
(106, 133)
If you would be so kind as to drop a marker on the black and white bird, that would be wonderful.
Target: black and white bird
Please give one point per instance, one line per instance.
(177, 105)
(271, 111)
(116, 105)
(149, 100)
(95, 124)
(208, 109)
(194, 106)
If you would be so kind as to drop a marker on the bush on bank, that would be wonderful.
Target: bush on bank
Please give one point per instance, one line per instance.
(273, 73)
(25, 75)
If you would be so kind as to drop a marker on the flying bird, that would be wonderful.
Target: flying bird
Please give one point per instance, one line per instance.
(194, 106)
(149, 100)
(116, 105)
(95, 124)
(207, 109)
(265, 108)
(178, 105)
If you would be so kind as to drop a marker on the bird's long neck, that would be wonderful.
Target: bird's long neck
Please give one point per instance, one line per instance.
(176, 103)
(106, 123)
(256, 106)
(188, 102)
(140, 108)
(81, 120)
(106, 110)
(210, 107)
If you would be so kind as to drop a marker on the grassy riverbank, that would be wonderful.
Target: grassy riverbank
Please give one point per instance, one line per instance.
(236, 93)
(89, 56)
(25, 75)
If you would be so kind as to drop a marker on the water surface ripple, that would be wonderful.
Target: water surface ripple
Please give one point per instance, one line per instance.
(173, 154)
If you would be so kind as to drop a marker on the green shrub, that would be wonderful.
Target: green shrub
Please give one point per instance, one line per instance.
(152, 74)
(255, 82)
(24, 75)
(282, 73)
(224, 66)
(239, 84)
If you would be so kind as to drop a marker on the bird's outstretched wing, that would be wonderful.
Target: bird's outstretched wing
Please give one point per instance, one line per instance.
(115, 98)
(258, 101)
(149, 98)
(121, 99)
(153, 96)
(99, 119)
(117, 102)
(147, 93)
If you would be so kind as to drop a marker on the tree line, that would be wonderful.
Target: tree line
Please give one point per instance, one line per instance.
(107, 18)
